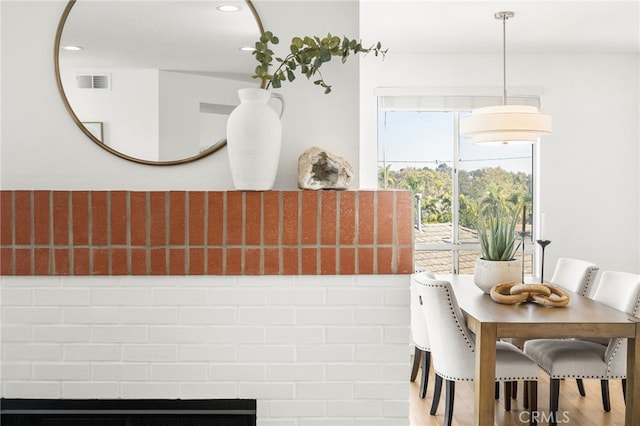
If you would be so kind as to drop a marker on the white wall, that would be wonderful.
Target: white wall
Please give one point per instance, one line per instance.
(310, 350)
(589, 166)
(53, 153)
(180, 98)
(133, 93)
(590, 182)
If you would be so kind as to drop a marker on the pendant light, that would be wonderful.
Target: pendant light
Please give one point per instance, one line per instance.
(505, 123)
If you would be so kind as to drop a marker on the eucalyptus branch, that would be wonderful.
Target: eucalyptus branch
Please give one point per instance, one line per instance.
(306, 55)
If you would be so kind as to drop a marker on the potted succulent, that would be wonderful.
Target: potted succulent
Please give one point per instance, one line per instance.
(253, 130)
(496, 227)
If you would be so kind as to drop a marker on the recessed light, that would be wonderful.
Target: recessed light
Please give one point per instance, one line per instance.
(72, 48)
(247, 49)
(228, 8)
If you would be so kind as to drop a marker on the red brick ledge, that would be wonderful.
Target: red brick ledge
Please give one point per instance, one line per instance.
(205, 233)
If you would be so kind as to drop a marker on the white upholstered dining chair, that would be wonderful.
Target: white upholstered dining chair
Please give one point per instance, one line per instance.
(583, 359)
(577, 276)
(453, 347)
(419, 334)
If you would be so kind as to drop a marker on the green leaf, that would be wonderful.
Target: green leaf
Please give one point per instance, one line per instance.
(309, 53)
(496, 231)
(325, 55)
(310, 42)
(304, 58)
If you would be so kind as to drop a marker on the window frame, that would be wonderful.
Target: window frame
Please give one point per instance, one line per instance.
(456, 246)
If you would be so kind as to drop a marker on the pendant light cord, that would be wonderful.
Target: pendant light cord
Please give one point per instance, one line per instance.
(504, 59)
(504, 16)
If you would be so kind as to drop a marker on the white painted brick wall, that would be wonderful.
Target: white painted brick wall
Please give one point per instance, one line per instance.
(61, 297)
(121, 296)
(20, 371)
(120, 371)
(313, 350)
(144, 315)
(119, 334)
(180, 297)
(299, 334)
(14, 315)
(90, 352)
(16, 296)
(179, 373)
(149, 352)
(209, 315)
(61, 372)
(16, 333)
(91, 315)
(61, 333)
(212, 353)
(80, 390)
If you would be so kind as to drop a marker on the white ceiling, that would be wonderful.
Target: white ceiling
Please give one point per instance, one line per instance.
(179, 35)
(192, 35)
(577, 26)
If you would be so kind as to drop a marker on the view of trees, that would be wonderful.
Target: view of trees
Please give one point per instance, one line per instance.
(477, 188)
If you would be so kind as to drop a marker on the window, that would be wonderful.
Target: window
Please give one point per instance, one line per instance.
(419, 148)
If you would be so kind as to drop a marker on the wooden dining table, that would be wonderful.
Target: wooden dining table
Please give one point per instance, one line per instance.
(582, 317)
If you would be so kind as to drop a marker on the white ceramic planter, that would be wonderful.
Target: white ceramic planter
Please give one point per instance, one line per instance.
(488, 273)
(254, 135)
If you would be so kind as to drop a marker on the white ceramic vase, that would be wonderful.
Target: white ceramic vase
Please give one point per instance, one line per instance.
(254, 135)
(488, 273)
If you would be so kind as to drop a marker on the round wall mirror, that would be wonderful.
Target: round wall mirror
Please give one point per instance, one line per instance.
(154, 81)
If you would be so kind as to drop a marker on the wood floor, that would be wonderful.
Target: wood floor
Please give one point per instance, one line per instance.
(574, 409)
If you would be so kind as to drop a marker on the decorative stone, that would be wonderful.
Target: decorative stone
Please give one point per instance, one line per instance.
(321, 169)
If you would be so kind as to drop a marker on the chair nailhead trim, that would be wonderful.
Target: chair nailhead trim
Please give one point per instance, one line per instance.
(591, 271)
(455, 317)
(613, 355)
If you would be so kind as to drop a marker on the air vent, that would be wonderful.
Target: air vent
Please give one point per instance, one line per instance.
(102, 81)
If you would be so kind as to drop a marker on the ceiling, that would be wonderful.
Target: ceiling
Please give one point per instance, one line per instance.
(178, 35)
(191, 35)
(452, 26)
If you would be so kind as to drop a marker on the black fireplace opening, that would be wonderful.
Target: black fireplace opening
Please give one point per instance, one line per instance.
(127, 412)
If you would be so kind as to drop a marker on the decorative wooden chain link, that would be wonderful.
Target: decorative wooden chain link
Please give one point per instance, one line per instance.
(510, 293)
